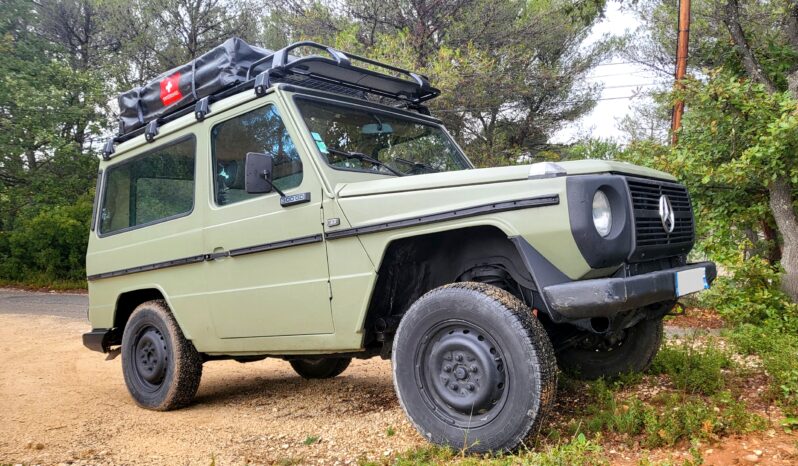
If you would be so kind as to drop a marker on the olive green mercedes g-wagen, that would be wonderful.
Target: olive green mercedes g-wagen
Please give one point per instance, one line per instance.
(308, 207)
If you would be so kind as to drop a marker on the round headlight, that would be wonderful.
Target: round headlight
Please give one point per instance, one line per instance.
(602, 213)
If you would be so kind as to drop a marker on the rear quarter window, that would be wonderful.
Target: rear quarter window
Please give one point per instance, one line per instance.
(150, 188)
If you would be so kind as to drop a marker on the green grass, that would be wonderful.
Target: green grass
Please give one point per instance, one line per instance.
(777, 348)
(44, 284)
(311, 439)
(390, 431)
(577, 451)
(695, 367)
(667, 419)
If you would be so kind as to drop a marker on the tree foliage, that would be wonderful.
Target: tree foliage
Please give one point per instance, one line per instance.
(736, 148)
(511, 71)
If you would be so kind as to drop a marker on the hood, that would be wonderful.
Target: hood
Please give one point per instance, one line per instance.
(486, 176)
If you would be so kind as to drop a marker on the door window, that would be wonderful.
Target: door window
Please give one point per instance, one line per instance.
(261, 130)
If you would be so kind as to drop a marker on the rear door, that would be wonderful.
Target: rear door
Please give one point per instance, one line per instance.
(269, 275)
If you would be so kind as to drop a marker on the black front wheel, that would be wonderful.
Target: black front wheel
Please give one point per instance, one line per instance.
(162, 369)
(473, 368)
(590, 356)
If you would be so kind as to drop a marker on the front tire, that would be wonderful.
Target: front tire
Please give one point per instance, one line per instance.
(473, 368)
(322, 368)
(162, 369)
(594, 357)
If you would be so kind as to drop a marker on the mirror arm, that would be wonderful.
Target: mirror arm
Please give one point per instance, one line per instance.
(265, 176)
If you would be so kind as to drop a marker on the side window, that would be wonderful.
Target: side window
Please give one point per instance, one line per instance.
(152, 187)
(260, 130)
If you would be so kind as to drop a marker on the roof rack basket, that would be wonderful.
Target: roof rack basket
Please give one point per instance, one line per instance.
(402, 86)
(333, 71)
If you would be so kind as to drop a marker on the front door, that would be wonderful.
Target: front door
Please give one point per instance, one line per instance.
(268, 275)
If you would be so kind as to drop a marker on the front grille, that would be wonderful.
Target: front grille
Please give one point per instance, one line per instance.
(651, 239)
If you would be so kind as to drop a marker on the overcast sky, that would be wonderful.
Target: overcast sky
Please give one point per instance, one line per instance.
(621, 81)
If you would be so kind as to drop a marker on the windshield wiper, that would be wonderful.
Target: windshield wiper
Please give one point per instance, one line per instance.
(366, 158)
(417, 164)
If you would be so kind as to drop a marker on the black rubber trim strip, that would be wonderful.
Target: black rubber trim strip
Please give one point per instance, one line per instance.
(504, 206)
(276, 245)
(150, 267)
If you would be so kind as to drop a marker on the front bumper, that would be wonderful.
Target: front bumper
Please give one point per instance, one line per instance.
(605, 297)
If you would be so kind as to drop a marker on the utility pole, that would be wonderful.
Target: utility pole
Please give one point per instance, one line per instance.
(683, 25)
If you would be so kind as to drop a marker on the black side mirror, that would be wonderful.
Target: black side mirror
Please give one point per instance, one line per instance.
(258, 173)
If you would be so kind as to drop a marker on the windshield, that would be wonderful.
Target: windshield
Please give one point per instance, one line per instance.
(375, 142)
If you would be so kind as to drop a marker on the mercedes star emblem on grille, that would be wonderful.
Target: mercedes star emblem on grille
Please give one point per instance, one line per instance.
(666, 214)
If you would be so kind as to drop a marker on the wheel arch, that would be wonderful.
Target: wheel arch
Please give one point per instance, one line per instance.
(128, 301)
(413, 265)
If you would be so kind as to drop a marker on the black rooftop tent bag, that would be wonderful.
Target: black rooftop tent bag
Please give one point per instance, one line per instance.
(221, 67)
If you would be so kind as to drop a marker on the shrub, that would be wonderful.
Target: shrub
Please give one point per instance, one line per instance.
(693, 367)
(750, 294)
(47, 246)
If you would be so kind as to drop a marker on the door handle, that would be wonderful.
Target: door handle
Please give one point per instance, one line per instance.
(218, 253)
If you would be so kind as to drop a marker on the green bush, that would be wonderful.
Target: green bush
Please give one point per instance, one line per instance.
(47, 246)
(750, 294)
(693, 367)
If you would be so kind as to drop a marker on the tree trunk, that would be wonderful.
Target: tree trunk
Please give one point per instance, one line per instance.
(781, 204)
(772, 240)
(731, 17)
(753, 239)
(780, 191)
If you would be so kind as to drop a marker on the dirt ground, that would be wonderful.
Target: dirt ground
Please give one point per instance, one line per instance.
(63, 404)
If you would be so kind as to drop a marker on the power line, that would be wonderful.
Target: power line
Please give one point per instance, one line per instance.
(633, 73)
(616, 64)
(484, 109)
(621, 86)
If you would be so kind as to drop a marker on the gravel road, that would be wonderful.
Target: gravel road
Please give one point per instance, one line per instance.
(69, 305)
(63, 404)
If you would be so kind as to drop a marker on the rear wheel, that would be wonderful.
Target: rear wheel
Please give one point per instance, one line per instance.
(473, 368)
(593, 356)
(162, 369)
(322, 368)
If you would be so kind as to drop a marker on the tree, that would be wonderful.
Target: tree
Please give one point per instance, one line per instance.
(157, 35)
(512, 73)
(736, 146)
(47, 111)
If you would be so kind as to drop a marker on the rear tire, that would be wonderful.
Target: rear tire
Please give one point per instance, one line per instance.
(323, 368)
(162, 369)
(594, 359)
(473, 368)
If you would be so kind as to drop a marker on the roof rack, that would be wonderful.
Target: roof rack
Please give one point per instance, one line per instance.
(335, 73)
